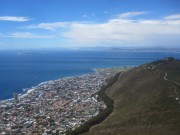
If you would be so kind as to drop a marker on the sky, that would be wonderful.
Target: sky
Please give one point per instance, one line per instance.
(31, 24)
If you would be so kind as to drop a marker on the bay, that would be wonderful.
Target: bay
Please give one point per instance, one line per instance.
(24, 69)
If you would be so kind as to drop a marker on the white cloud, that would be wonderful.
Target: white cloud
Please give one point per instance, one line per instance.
(49, 26)
(130, 14)
(14, 18)
(123, 29)
(25, 35)
(173, 17)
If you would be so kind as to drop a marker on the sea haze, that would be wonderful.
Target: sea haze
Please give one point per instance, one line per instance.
(24, 69)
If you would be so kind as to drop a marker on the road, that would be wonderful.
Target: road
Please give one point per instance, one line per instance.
(165, 78)
(171, 81)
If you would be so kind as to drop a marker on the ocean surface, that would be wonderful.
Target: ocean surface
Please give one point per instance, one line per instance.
(24, 69)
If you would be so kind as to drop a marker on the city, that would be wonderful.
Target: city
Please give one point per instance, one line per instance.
(54, 106)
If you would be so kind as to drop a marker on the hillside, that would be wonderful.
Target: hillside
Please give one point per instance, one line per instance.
(146, 101)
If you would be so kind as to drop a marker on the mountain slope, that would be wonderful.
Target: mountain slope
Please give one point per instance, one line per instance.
(146, 101)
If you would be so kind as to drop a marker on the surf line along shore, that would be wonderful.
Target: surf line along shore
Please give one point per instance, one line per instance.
(55, 106)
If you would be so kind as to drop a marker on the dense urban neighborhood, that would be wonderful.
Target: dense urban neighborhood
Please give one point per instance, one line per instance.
(54, 106)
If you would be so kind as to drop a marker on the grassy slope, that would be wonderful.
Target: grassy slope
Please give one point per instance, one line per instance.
(144, 103)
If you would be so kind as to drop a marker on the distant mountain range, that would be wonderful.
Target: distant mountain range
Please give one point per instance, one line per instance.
(136, 49)
(101, 48)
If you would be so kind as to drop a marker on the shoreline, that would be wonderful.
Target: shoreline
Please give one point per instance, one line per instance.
(57, 105)
(26, 91)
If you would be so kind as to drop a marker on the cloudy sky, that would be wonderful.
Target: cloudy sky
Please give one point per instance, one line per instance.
(28, 24)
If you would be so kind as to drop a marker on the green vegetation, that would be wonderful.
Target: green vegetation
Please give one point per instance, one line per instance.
(144, 102)
(114, 69)
(173, 70)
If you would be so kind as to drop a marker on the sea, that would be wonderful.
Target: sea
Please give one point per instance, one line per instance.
(21, 69)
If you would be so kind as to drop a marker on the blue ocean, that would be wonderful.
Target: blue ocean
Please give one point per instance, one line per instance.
(24, 69)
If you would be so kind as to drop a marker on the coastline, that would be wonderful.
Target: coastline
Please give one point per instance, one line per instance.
(26, 91)
(77, 94)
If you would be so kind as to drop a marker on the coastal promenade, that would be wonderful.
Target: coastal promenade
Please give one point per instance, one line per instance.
(53, 107)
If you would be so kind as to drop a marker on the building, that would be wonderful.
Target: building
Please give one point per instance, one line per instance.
(15, 95)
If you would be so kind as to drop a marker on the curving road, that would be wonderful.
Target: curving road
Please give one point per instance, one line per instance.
(166, 79)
